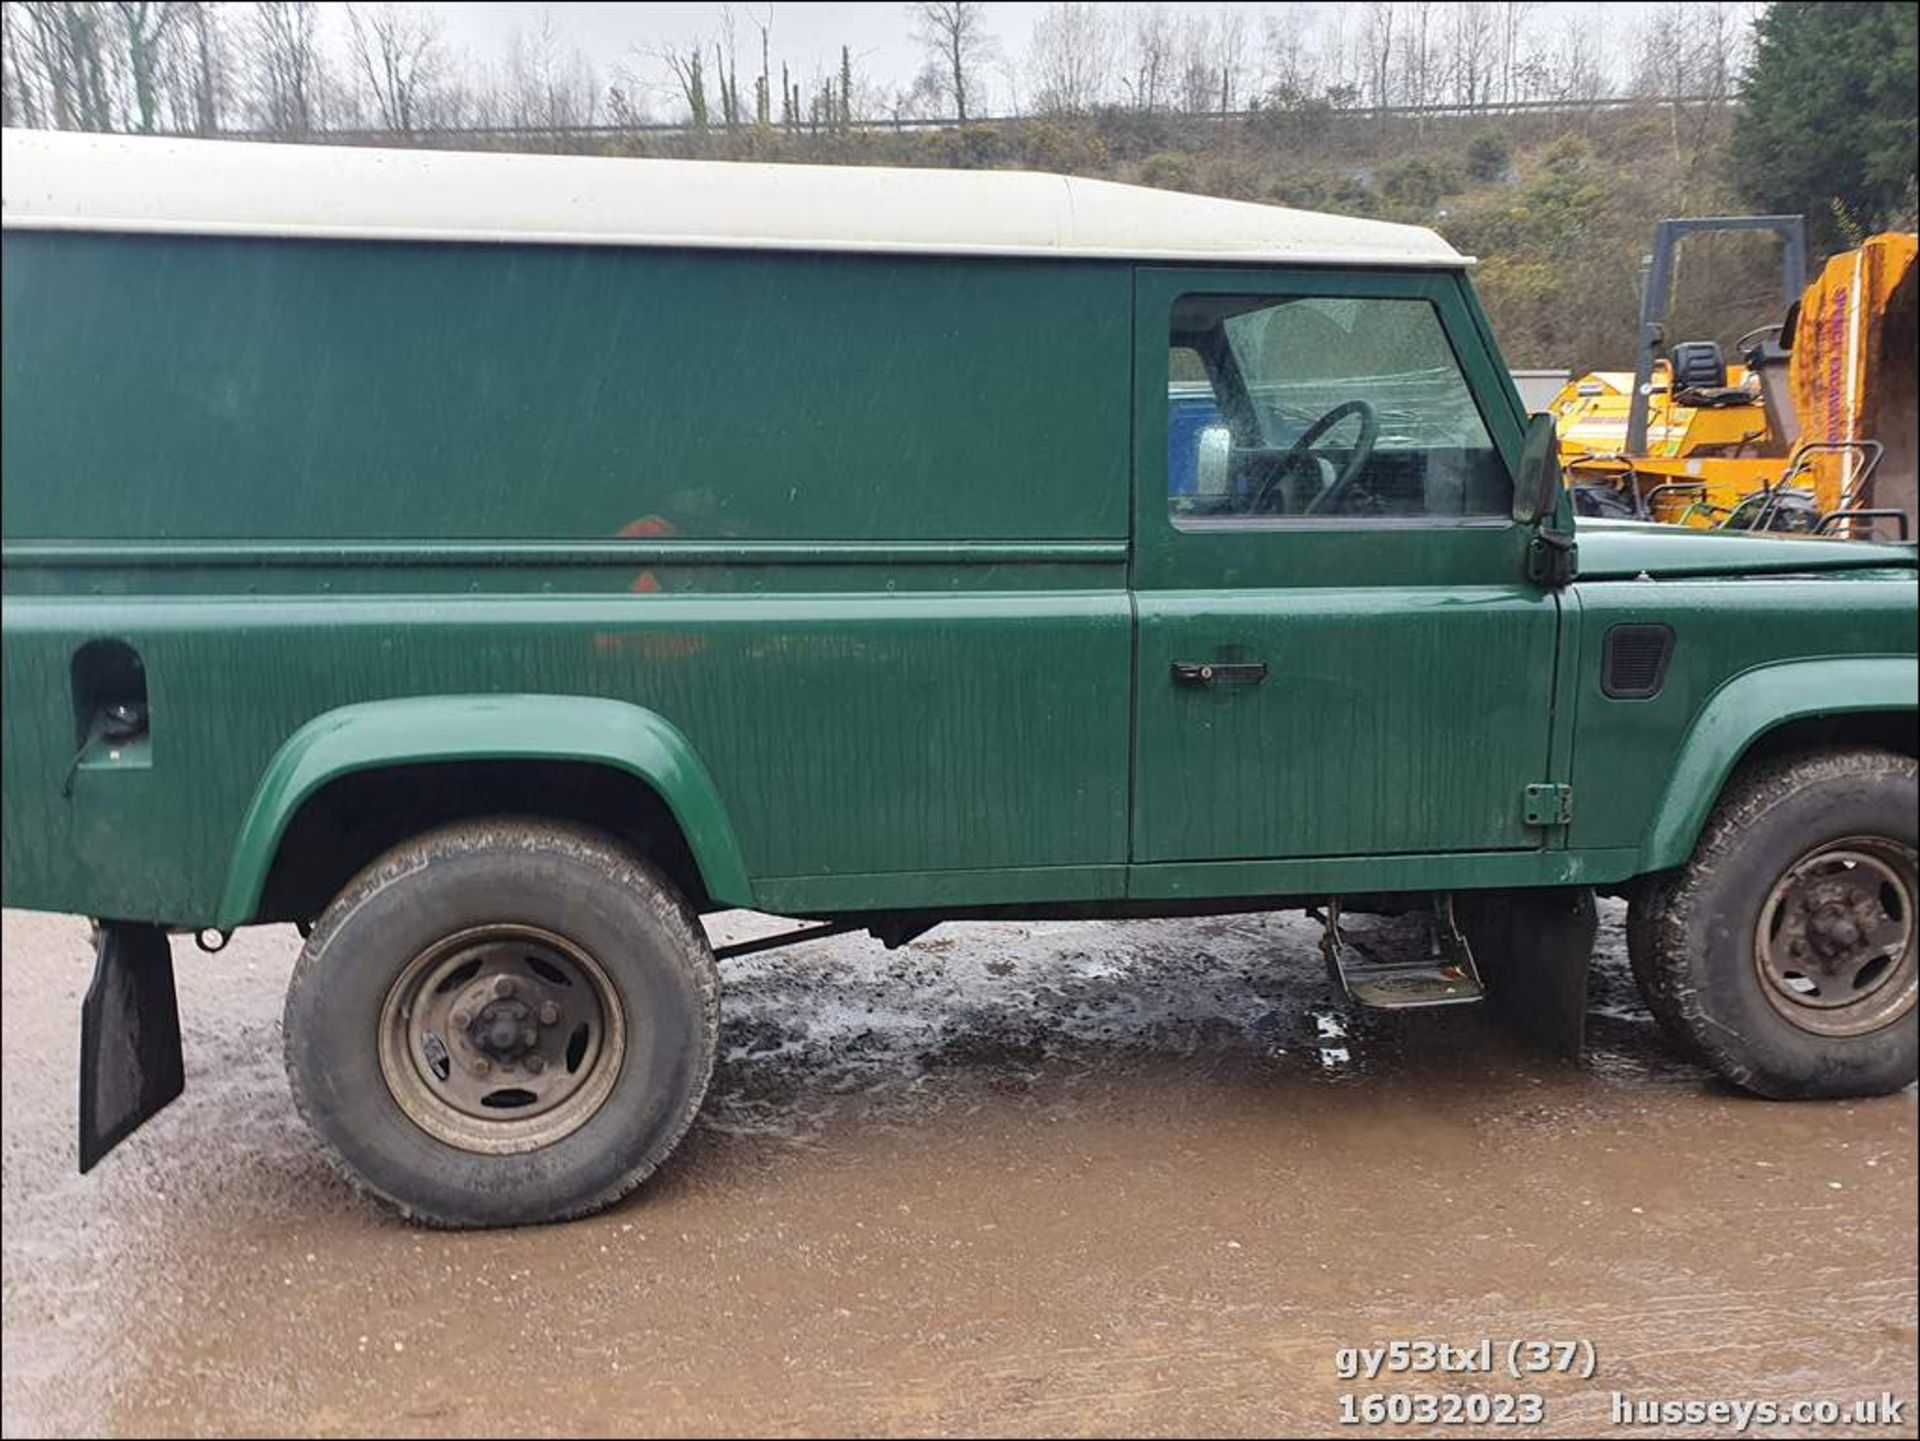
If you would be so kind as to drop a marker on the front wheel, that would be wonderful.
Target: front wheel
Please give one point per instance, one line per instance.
(502, 1022)
(1783, 952)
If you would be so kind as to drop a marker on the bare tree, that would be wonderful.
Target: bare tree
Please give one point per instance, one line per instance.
(689, 70)
(546, 83)
(1472, 52)
(1071, 57)
(1693, 58)
(1377, 47)
(143, 27)
(1695, 54)
(1662, 58)
(955, 37)
(1417, 85)
(1341, 61)
(926, 98)
(1151, 55)
(1512, 26)
(1230, 55)
(1209, 71)
(400, 58)
(726, 69)
(282, 46)
(1565, 70)
(1291, 71)
(187, 71)
(763, 82)
(202, 71)
(1196, 84)
(19, 87)
(62, 64)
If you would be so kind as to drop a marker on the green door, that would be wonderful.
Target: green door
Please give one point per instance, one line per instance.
(1339, 651)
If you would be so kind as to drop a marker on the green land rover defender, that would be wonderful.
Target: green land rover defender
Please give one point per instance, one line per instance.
(491, 563)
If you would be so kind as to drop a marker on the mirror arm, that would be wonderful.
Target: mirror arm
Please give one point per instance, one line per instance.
(1539, 495)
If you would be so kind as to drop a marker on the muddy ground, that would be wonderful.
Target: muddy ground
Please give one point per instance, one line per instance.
(1039, 1179)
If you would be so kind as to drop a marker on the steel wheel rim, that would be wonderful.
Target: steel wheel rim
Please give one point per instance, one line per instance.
(501, 1038)
(1834, 947)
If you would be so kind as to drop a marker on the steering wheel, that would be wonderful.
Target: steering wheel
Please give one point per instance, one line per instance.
(1300, 453)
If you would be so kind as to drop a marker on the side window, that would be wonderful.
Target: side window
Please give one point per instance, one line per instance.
(1322, 409)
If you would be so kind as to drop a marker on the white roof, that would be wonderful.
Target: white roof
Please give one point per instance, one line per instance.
(52, 181)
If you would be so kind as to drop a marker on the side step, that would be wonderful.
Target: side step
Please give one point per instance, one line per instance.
(1446, 976)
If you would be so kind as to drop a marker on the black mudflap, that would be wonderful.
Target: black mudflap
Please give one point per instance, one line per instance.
(130, 1064)
(1534, 948)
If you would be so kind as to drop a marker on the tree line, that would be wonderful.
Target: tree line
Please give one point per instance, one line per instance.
(298, 67)
(274, 67)
(1333, 108)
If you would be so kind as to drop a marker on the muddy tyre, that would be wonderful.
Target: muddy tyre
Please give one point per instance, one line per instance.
(1783, 952)
(502, 1022)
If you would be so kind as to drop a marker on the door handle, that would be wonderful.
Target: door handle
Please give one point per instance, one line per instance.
(1193, 672)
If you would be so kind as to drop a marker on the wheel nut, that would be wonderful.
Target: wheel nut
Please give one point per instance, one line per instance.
(503, 987)
(461, 1020)
(549, 1012)
(536, 1064)
(481, 1065)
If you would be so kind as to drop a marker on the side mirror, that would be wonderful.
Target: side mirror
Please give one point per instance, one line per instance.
(1214, 462)
(1536, 489)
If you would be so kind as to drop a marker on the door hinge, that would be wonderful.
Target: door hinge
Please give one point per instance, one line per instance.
(1553, 559)
(1548, 805)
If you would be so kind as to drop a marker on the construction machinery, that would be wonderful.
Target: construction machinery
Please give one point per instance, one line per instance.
(1812, 430)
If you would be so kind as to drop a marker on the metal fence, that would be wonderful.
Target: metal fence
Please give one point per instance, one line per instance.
(911, 124)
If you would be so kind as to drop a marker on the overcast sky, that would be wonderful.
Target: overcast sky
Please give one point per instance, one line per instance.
(808, 36)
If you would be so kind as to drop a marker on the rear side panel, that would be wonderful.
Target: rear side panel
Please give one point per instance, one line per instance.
(844, 733)
(197, 389)
(855, 526)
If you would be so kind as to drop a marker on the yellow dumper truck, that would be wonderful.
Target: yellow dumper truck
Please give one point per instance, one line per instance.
(1813, 429)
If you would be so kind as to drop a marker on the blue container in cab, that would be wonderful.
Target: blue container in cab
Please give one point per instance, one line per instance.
(1188, 413)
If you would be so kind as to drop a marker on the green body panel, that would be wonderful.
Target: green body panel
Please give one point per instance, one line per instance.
(1748, 655)
(941, 890)
(1833, 645)
(862, 562)
(484, 728)
(1624, 549)
(844, 733)
(1745, 709)
(1394, 720)
(537, 393)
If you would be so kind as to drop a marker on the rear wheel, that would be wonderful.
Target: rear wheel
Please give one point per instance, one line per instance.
(1784, 951)
(502, 1022)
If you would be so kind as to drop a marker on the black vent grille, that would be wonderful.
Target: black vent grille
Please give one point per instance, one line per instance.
(1635, 665)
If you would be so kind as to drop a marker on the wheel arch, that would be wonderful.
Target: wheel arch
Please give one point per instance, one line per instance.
(508, 751)
(1773, 709)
